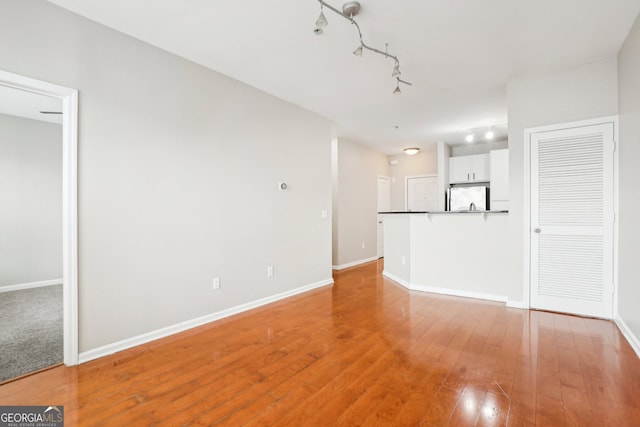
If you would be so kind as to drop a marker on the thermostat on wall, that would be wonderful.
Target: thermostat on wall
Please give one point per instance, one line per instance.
(282, 186)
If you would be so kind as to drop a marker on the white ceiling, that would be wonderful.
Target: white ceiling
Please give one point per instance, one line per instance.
(459, 54)
(15, 102)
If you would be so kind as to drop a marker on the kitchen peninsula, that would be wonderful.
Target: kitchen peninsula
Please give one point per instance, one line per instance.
(453, 253)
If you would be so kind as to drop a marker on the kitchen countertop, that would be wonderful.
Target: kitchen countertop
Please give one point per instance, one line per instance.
(442, 212)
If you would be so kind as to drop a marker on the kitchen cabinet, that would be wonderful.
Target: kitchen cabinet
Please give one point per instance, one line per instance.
(464, 169)
(499, 178)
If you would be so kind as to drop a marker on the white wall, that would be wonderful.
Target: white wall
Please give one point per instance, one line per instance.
(478, 148)
(31, 194)
(456, 254)
(569, 95)
(356, 202)
(178, 173)
(423, 163)
(629, 154)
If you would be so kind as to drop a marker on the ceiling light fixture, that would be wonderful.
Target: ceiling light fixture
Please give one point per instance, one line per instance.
(411, 150)
(349, 10)
(469, 137)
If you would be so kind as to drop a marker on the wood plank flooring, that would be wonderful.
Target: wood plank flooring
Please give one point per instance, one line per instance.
(364, 352)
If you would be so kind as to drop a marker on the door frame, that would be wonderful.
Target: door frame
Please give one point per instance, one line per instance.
(406, 186)
(526, 230)
(69, 98)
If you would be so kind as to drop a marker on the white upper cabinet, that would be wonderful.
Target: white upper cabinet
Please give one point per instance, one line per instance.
(499, 160)
(473, 168)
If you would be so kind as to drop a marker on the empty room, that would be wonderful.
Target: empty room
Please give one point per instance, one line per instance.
(319, 213)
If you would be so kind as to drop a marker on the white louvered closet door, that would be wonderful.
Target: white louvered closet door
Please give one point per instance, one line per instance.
(572, 220)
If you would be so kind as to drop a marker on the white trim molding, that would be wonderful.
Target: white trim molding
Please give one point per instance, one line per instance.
(353, 264)
(517, 304)
(633, 341)
(445, 291)
(108, 349)
(396, 279)
(69, 98)
(31, 285)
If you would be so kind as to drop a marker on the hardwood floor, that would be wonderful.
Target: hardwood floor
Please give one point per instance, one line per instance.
(363, 352)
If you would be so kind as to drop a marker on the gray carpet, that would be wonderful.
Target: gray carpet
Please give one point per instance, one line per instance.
(30, 330)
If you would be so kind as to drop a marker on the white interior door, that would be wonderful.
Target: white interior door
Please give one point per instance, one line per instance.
(384, 205)
(422, 193)
(572, 220)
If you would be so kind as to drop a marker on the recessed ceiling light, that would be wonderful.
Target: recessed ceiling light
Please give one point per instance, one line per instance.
(469, 138)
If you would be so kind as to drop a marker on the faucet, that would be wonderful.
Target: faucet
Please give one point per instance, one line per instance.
(472, 206)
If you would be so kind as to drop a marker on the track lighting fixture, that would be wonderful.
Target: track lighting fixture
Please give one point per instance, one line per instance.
(349, 10)
(486, 131)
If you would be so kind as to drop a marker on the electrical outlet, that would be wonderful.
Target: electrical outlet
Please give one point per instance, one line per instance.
(216, 283)
(362, 245)
(269, 271)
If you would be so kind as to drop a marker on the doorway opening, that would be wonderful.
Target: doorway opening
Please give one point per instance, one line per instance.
(69, 108)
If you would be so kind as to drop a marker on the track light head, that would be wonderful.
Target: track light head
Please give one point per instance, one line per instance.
(321, 22)
(396, 70)
(397, 90)
(358, 51)
(489, 135)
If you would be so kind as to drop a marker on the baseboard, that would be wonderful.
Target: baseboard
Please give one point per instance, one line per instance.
(459, 293)
(445, 291)
(353, 264)
(31, 285)
(396, 279)
(189, 324)
(633, 341)
(517, 304)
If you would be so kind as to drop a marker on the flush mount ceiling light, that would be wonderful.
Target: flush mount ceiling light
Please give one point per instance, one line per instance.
(349, 10)
(411, 150)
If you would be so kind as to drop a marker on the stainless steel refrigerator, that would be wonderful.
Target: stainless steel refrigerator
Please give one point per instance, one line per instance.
(475, 198)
